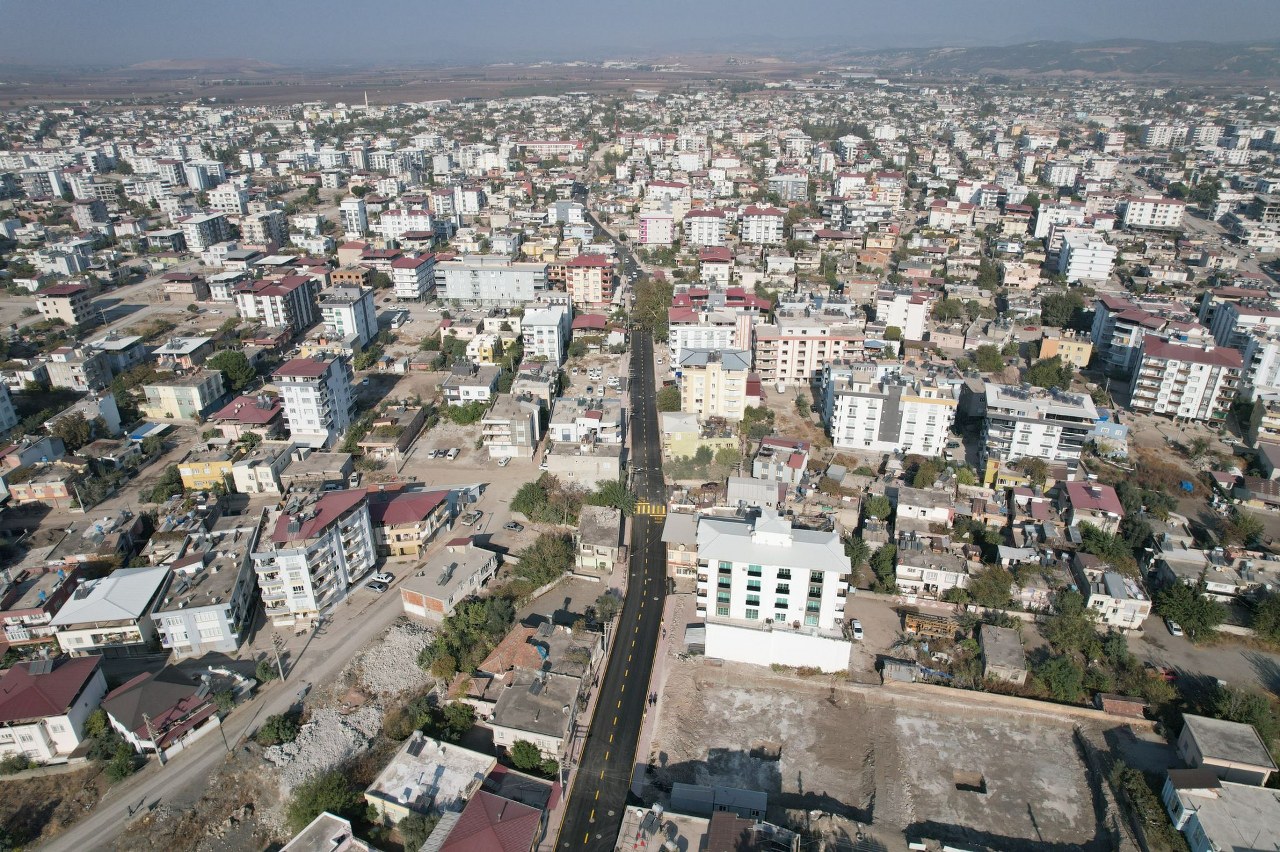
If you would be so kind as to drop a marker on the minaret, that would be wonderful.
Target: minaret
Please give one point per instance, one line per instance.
(366, 100)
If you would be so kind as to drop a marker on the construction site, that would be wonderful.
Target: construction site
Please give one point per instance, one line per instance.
(902, 765)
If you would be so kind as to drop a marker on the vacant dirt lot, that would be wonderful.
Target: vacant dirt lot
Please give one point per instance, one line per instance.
(875, 756)
(36, 809)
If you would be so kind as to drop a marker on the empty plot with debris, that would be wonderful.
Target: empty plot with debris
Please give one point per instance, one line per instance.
(924, 767)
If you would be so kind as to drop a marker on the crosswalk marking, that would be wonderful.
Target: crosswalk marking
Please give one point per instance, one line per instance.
(657, 510)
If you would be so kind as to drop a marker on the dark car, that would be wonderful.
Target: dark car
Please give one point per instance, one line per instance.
(513, 526)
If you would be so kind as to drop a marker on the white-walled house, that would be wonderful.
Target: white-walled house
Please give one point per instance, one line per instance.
(44, 704)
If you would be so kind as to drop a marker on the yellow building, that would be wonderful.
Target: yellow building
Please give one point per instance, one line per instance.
(205, 470)
(1074, 349)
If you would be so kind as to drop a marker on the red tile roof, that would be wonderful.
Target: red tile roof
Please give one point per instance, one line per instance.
(245, 409)
(63, 290)
(491, 823)
(1094, 497)
(25, 696)
(406, 507)
(591, 321)
(310, 368)
(1219, 356)
(326, 510)
(412, 262)
(590, 260)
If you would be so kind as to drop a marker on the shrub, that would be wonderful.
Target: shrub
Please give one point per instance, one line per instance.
(266, 671)
(281, 728)
(525, 755)
(329, 791)
(15, 763)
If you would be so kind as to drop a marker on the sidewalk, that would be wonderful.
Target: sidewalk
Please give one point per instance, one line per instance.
(678, 609)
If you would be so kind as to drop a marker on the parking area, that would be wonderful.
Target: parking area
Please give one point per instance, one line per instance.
(599, 375)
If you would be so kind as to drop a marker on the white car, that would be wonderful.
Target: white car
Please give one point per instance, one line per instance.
(504, 461)
(856, 627)
(384, 577)
(452, 454)
(1174, 627)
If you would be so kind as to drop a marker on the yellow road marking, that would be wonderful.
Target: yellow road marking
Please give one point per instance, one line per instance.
(615, 720)
(593, 815)
(606, 756)
(611, 738)
(597, 795)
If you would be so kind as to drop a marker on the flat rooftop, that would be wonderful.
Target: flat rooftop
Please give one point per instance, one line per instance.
(206, 573)
(427, 774)
(446, 572)
(535, 702)
(26, 589)
(644, 829)
(1222, 740)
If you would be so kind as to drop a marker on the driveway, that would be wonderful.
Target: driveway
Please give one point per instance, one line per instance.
(1236, 664)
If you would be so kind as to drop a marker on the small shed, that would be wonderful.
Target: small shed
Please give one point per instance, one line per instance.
(1120, 705)
(1002, 654)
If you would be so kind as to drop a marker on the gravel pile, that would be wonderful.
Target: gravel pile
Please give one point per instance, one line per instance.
(389, 666)
(325, 741)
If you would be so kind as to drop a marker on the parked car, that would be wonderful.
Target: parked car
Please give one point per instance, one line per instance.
(470, 519)
(384, 577)
(376, 586)
(1174, 627)
(452, 454)
(504, 461)
(513, 526)
(856, 627)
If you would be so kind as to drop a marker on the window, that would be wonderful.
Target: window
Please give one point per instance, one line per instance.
(781, 603)
(753, 585)
(811, 620)
(783, 589)
(753, 614)
(815, 577)
(753, 600)
(722, 597)
(722, 611)
(754, 571)
(726, 567)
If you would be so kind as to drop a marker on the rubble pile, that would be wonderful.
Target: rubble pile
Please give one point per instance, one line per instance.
(389, 666)
(326, 740)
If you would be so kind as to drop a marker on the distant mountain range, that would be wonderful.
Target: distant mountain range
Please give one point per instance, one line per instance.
(1117, 58)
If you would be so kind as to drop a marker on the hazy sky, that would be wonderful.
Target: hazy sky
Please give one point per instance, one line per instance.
(328, 32)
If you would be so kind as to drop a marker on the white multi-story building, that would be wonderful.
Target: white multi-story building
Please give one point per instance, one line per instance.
(44, 705)
(762, 570)
(718, 328)
(903, 309)
(1060, 173)
(762, 226)
(8, 416)
(589, 281)
(204, 230)
(792, 350)
(546, 333)
(1034, 423)
(878, 408)
(1186, 381)
(288, 303)
(413, 278)
(393, 224)
(704, 228)
(229, 200)
(355, 217)
(265, 228)
(311, 553)
(349, 315)
(491, 281)
(1085, 256)
(318, 399)
(656, 228)
(713, 382)
(1153, 212)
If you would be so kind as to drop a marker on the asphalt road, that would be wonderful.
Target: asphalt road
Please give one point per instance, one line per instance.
(593, 812)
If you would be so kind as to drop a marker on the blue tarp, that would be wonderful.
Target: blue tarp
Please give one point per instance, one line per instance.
(147, 430)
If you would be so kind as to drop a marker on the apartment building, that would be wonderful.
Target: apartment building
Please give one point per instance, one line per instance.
(44, 705)
(713, 382)
(349, 315)
(491, 281)
(511, 428)
(188, 397)
(396, 222)
(311, 553)
(318, 399)
(545, 332)
(1022, 422)
(81, 368)
(883, 408)
(762, 226)
(355, 218)
(1085, 257)
(67, 302)
(770, 592)
(413, 278)
(705, 228)
(264, 229)
(1119, 328)
(1066, 344)
(214, 594)
(793, 349)
(781, 459)
(204, 230)
(1152, 212)
(656, 228)
(906, 310)
(590, 280)
(1119, 601)
(1185, 381)
(112, 615)
(405, 522)
(287, 303)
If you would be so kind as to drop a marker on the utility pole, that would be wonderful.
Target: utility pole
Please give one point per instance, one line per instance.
(275, 647)
(151, 734)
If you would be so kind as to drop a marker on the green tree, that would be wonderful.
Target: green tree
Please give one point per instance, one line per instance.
(1242, 527)
(414, 829)
(992, 587)
(883, 563)
(877, 506)
(170, 484)
(1197, 614)
(525, 755)
(1070, 628)
(1062, 678)
(74, 430)
(236, 370)
(265, 671)
(1266, 617)
(1049, 373)
(1248, 708)
(857, 550)
(988, 358)
(281, 728)
(444, 667)
(123, 763)
(616, 495)
(328, 791)
(892, 333)
(947, 310)
(1061, 310)
(669, 398)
